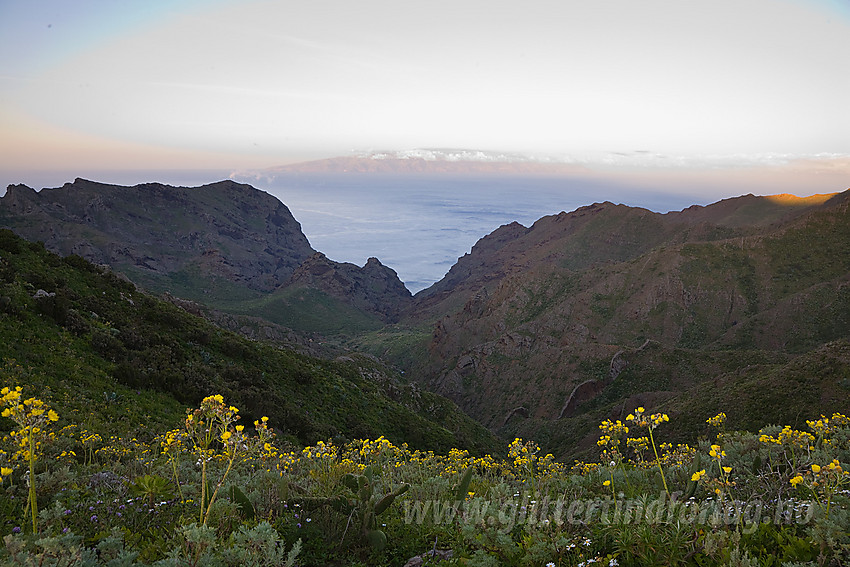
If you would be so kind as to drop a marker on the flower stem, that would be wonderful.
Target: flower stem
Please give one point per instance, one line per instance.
(33, 503)
(658, 462)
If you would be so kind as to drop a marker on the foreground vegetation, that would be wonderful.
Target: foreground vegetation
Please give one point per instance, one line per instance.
(124, 362)
(216, 491)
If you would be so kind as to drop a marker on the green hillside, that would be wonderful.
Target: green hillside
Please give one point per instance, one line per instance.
(121, 360)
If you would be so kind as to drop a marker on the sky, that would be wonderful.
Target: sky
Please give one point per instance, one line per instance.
(95, 85)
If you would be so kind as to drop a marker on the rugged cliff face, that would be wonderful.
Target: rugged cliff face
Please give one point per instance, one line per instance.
(374, 288)
(156, 232)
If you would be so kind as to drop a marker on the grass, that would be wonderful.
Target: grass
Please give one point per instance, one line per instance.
(309, 310)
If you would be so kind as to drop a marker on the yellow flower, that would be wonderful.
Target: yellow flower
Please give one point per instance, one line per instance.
(815, 468)
(239, 428)
(606, 483)
(640, 409)
(52, 415)
(697, 475)
(226, 435)
(717, 420)
(797, 480)
(727, 470)
(5, 471)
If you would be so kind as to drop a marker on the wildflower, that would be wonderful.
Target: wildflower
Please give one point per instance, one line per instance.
(606, 483)
(698, 475)
(717, 452)
(815, 469)
(31, 416)
(796, 480)
(727, 470)
(717, 420)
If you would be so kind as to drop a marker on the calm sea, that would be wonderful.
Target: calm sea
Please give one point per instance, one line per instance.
(420, 225)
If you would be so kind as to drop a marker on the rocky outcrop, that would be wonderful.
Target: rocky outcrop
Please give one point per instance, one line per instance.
(374, 288)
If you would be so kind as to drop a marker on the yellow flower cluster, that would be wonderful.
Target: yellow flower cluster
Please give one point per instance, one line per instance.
(32, 417)
(790, 438)
(679, 456)
(615, 429)
(823, 481)
(826, 426)
(638, 445)
(717, 452)
(717, 421)
(30, 410)
(641, 419)
(321, 450)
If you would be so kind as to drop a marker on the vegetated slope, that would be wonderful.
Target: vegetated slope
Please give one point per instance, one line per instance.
(227, 245)
(93, 343)
(537, 316)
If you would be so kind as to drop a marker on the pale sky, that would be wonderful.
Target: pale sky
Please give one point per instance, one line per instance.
(145, 84)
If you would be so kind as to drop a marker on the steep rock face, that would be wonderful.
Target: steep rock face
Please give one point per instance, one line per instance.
(224, 230)
(374, 287)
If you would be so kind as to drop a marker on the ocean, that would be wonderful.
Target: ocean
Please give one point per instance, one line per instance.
(419, 225)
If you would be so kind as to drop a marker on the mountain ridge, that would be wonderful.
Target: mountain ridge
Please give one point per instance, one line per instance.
(223, 243)
(530, 337)
(533, 318)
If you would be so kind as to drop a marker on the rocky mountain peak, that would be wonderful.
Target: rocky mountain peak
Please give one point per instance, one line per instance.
(374, 288)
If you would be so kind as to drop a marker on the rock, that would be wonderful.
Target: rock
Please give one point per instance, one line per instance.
(374, 287)
(430, 558)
